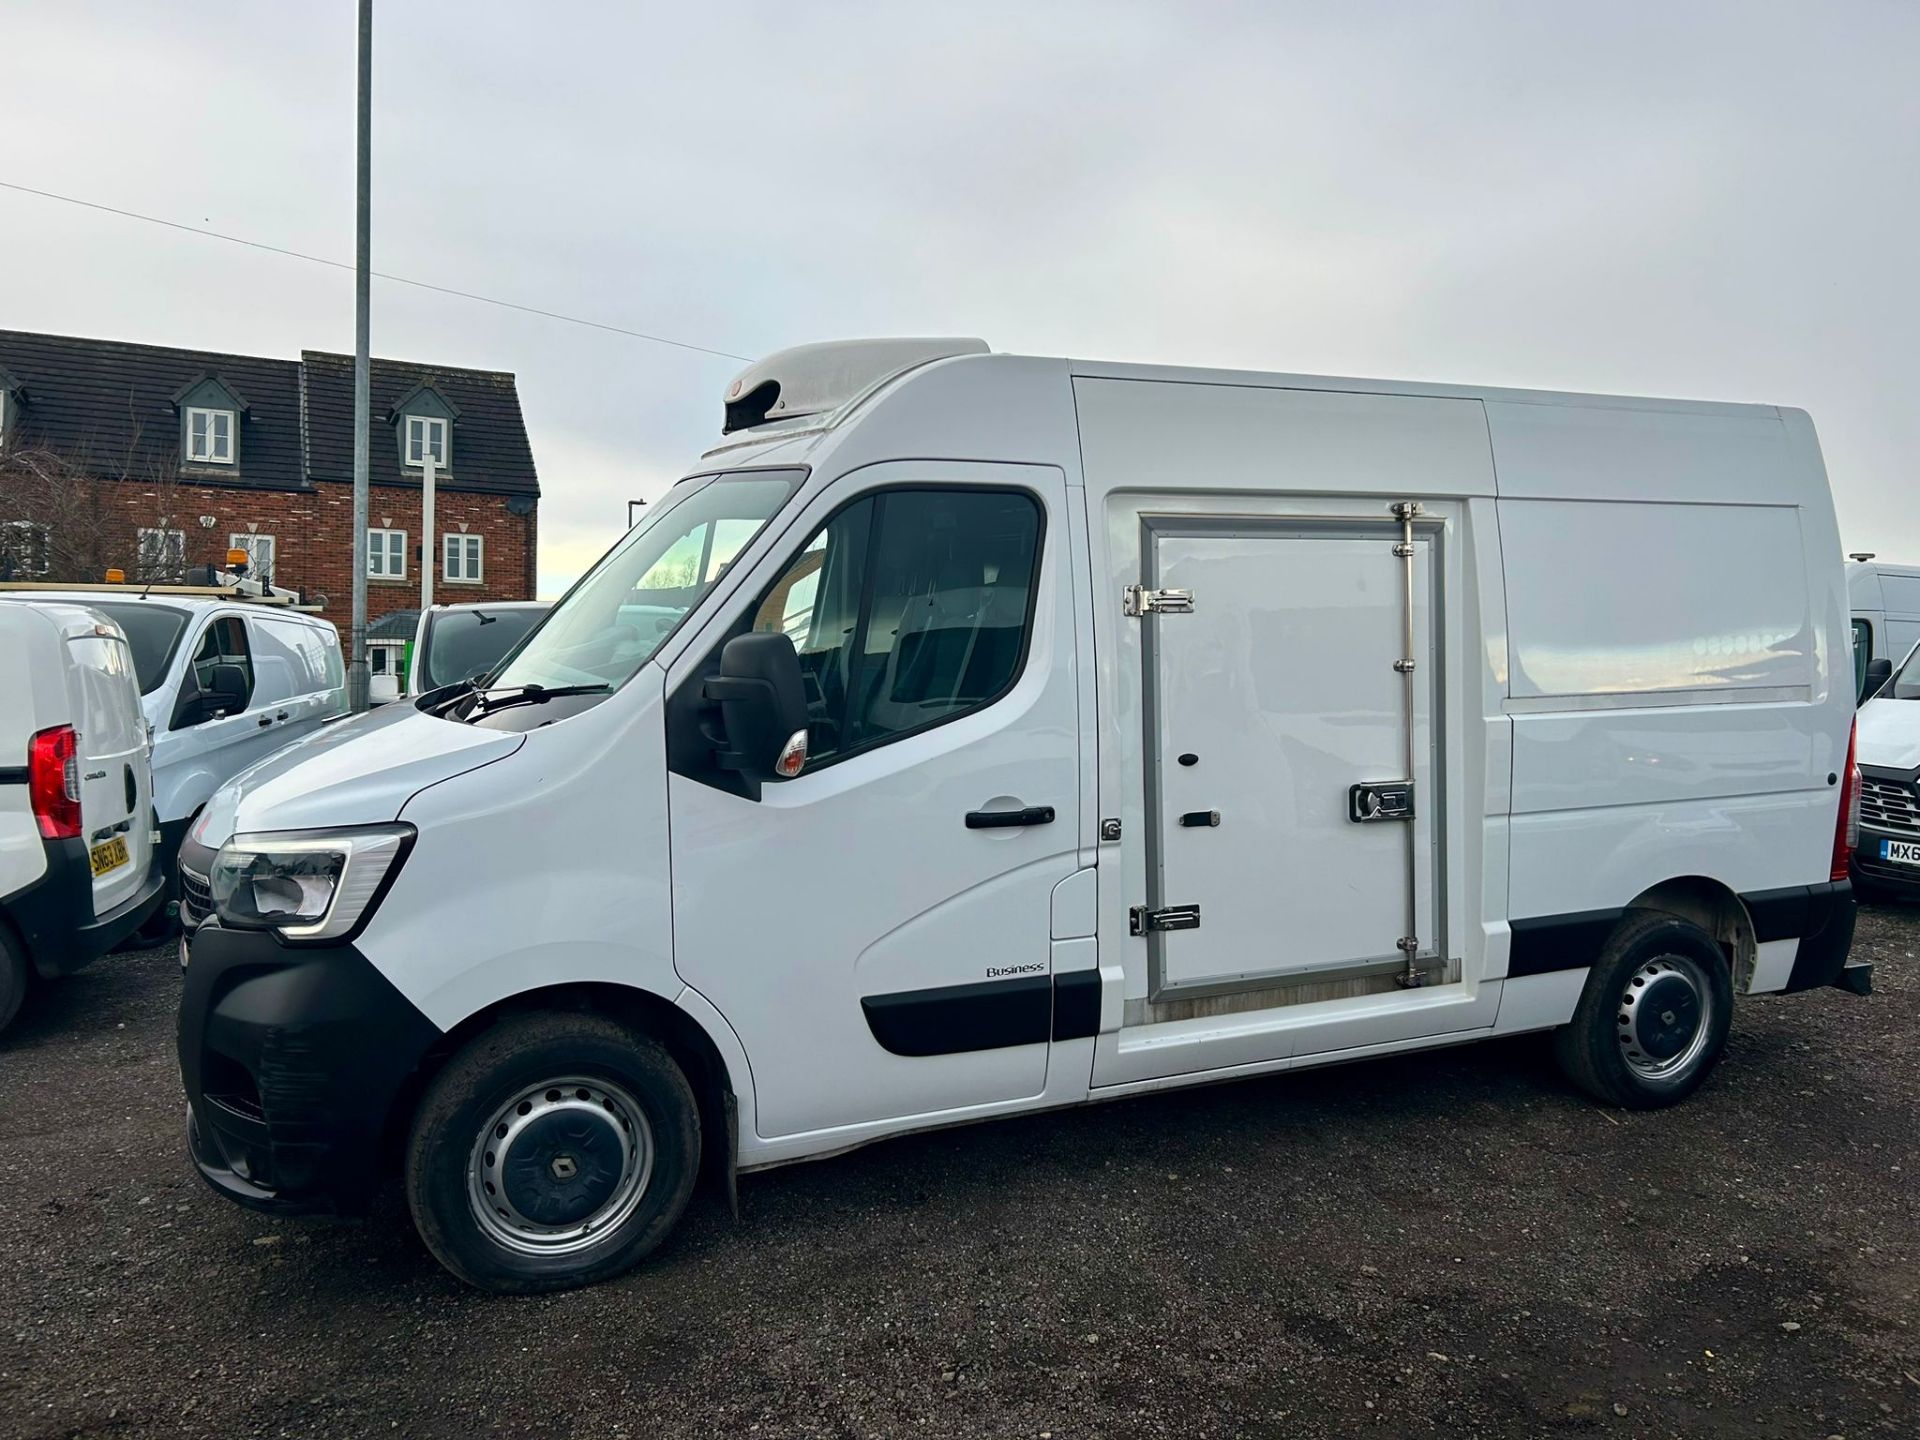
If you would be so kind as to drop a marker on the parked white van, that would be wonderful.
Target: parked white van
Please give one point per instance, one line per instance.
(78, 864)
(1885, 601)
(1886, 865)
(1037, 732)
(224, 680)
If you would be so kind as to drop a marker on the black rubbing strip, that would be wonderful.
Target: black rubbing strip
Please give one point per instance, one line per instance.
(954, 1019)
(1076, 1004)
(1543, 944)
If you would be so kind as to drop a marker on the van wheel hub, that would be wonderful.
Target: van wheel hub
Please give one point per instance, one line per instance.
(1662, 1021)
(559, 1165)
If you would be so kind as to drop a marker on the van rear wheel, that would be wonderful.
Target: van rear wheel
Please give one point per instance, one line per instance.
(555, 1150)
(15, 972)
(1654, 1015)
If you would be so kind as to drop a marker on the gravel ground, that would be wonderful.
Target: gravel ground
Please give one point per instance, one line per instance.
(1444, 1243)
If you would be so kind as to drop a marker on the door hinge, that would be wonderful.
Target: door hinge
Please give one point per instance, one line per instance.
(1172, 917)
(1138, 600)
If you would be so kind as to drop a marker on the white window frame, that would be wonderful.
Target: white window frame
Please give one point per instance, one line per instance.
(173, 540)
(251, 543)
(208, 457)
(377, 556)
(429, 425)
(456, 540)
(45, 531)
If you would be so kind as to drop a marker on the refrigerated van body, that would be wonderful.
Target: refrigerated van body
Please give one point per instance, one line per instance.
(1161, 726)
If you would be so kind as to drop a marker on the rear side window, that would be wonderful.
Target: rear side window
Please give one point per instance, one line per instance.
(1862, 653)
(908, 608)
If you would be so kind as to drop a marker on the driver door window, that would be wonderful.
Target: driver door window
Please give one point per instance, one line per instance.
(908, 608)
(221, 662)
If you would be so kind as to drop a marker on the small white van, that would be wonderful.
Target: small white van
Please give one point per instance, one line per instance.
(78, 864)
(971, 734)
(224, 681)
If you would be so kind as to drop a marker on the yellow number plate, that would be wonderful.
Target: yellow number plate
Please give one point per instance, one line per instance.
(108, 855)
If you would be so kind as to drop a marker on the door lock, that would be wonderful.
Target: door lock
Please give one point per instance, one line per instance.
(1380, 800)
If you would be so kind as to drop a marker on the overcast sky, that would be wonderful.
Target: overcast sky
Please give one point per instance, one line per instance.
(1694, 199)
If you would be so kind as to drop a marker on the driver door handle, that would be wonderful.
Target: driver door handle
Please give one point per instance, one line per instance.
(1002, 819)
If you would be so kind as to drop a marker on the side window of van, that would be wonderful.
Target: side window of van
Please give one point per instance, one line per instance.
(222, 663)
(908, 608)
(1862, 653)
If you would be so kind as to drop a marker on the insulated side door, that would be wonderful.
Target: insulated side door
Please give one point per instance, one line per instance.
(876, 930)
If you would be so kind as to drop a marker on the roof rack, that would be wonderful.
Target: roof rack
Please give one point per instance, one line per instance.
(249, 591)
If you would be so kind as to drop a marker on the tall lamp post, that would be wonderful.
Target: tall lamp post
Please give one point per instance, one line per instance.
(357, 666)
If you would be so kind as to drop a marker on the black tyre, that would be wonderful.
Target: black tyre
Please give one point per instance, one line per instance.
(555, 1150)
(16, 972)
(1654, 1015)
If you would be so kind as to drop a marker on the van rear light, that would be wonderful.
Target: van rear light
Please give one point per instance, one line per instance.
(1846, 826)
(53, 782)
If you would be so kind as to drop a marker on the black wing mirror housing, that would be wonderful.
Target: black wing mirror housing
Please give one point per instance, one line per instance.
(763, 708)
(1879, 672)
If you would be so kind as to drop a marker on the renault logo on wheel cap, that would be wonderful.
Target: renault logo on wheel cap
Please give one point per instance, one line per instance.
(564, 1167)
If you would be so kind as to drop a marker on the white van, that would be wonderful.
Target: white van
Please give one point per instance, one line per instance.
(224, 681)
(1038, 732)
(78, 864)
(1885, 601)
(1886, 865)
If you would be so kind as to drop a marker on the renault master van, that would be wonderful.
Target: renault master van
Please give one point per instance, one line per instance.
(79, 868)
(1031, 732)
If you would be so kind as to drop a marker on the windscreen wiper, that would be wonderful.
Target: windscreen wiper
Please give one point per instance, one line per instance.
(491, 700)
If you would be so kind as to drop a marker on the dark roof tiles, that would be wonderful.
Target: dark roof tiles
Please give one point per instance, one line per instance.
(112, 405)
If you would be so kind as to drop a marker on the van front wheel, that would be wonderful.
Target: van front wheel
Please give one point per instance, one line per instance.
(555, 1150)
(1653, 1017)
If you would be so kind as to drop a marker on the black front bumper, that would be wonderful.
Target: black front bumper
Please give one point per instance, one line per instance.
(55, 918)
(1887, 877)
(293, 1058)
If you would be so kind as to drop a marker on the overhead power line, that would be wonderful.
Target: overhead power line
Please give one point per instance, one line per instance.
(377, 274)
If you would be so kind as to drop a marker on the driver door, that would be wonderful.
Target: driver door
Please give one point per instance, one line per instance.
(876, 930)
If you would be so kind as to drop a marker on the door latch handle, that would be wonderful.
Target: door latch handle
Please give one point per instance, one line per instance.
(265, 720)
(1380, 800)
(1004, 819)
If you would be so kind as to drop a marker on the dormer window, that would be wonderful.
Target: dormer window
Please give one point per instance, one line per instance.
(210, 414)
(426, 435)
(209, 436)
(422, 421)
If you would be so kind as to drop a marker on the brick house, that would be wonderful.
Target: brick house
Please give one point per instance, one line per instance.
(157, 461)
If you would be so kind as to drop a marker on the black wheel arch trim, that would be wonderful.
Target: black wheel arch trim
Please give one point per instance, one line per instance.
(1819, 916)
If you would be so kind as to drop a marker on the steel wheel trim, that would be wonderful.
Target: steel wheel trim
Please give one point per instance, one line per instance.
(1665, 1017)
(559, 1166)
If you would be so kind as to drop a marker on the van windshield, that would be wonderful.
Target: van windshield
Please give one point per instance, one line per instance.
(461, 644)
(152, 630)
(624, 608)
(1906, 681)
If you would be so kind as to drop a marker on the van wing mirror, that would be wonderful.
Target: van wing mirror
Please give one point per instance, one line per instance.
(1879, 672)
(763, 707)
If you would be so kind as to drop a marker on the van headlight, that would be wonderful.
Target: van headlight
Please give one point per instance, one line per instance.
(305, 884)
